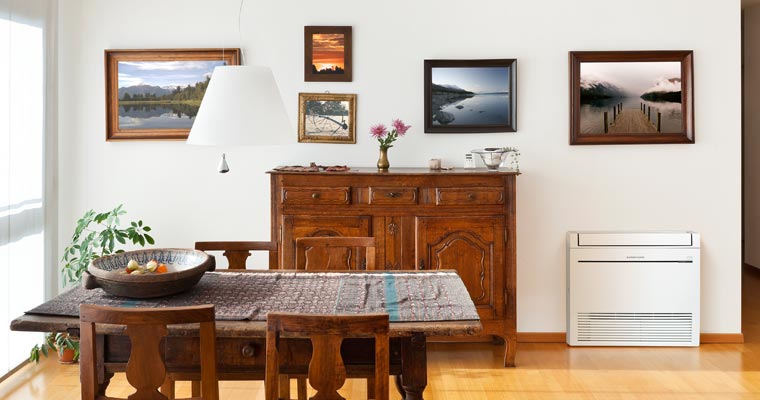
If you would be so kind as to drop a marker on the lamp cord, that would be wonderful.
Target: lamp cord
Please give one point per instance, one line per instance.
(240, 34)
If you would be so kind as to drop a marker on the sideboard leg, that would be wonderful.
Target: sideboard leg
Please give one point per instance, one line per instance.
(414, 366)
(510, 348)
(167, 389)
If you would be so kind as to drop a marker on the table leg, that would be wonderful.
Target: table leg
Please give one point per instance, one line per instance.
(414, 366)
(401, 391)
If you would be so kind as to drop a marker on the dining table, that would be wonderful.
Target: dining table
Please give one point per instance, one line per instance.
(419, 304)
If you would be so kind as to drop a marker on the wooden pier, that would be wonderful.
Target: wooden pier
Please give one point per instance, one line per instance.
(632, 121)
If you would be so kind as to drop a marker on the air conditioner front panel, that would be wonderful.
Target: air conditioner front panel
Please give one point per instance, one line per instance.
(633, 296)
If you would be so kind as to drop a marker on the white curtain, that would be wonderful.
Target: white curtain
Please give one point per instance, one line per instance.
(23, 49)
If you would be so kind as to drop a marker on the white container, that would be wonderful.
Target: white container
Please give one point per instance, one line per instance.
(633, 289)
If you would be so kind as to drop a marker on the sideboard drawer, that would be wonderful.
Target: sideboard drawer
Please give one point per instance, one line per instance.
(316, 195)
(393, 195)
(457, 196)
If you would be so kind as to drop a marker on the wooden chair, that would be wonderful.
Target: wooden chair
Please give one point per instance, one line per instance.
(336, 253)
(146, 369)
(327, 373)
(238, 252)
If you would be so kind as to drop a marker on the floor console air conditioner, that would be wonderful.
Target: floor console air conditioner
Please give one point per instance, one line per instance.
(633, 289)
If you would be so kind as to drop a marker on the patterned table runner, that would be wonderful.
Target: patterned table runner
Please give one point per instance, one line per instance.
(405, 296)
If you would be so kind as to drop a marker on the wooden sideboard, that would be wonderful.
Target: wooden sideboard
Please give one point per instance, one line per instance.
(420, 219)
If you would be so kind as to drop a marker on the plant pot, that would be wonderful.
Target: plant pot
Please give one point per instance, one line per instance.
(66, 356)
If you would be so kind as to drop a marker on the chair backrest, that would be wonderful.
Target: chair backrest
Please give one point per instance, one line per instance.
(238, 252)
(335, 253)
(146, 368)
(326, 370)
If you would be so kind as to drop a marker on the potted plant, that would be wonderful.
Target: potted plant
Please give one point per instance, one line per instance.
(95, 235)
(66, 347)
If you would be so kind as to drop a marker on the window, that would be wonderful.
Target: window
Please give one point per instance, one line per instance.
(23, 30)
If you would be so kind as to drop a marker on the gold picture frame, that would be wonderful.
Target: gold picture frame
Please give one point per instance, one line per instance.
(326, 118)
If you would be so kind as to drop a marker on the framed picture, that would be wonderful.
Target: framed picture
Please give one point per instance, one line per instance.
(470, 96)
(327, 54)
(326, 118)
(631, 97)
(155, 94)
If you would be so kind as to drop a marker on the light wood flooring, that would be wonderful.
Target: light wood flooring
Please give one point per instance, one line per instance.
(545, 371)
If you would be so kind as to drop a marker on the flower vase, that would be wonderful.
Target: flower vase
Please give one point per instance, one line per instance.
(382, 162)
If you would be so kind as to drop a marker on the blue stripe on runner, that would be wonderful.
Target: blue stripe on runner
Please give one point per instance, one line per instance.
(391, 297)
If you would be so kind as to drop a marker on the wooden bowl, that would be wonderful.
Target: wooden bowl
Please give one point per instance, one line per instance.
(186, 267)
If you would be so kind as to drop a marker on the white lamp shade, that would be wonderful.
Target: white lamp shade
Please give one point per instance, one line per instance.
(241, 106)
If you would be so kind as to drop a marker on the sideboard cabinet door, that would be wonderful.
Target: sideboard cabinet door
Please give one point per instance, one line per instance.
(298, 226)
(474, 246)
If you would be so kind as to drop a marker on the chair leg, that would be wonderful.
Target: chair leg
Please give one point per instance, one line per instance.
(195, 388)
(284, 385)
(370, 388)
(301, 382)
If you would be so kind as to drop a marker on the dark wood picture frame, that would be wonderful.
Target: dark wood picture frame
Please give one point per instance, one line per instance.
(686, 134)
(309, 75)
(303, 137)
(113, 57)
(510, 126)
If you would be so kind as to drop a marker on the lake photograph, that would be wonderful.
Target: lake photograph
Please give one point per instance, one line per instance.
(470, 96)
(161, 94)
(636, 97)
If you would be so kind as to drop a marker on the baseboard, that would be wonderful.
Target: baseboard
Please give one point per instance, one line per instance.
(560, 337)
(721, 338)
(541, 337)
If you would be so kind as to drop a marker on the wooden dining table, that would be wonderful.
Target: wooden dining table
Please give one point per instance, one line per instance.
(419, 303)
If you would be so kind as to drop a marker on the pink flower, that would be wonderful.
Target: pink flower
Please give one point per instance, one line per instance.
(379, 131)
(400, 127)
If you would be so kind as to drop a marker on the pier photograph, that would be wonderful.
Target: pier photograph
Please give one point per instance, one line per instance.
(642, 96)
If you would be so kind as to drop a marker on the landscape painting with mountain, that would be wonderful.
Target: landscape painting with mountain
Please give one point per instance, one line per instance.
(161, 94)
(642, 98)
(474, 97)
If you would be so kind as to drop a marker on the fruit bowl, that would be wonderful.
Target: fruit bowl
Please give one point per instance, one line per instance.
(185, 269)
(493, 156)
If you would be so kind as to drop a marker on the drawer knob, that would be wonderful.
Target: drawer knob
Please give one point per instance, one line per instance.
(315, 195)
(470, 196)
(392, 194)
(248, 351)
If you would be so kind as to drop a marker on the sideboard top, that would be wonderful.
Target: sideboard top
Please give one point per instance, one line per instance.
(405, 171)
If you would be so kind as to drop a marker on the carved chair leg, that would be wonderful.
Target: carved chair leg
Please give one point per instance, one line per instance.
(399, 386)
(510, 348)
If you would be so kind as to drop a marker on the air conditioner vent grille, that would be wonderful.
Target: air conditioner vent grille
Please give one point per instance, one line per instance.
(634, 327)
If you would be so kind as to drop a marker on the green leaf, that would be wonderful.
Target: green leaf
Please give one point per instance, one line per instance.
(139, 222)
(141, 240)
(146, 228)
(149, 239)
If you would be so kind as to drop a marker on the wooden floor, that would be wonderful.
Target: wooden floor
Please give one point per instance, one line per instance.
(545, 371)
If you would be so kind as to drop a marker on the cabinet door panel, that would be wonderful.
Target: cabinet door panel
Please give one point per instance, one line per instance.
(297, 226)
(398, 243)
(472, 246)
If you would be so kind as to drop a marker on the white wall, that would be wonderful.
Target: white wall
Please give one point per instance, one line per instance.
(752, 135)
(175, 188)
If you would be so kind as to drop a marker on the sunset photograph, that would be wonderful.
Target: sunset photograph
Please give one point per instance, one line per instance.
(327, 53)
